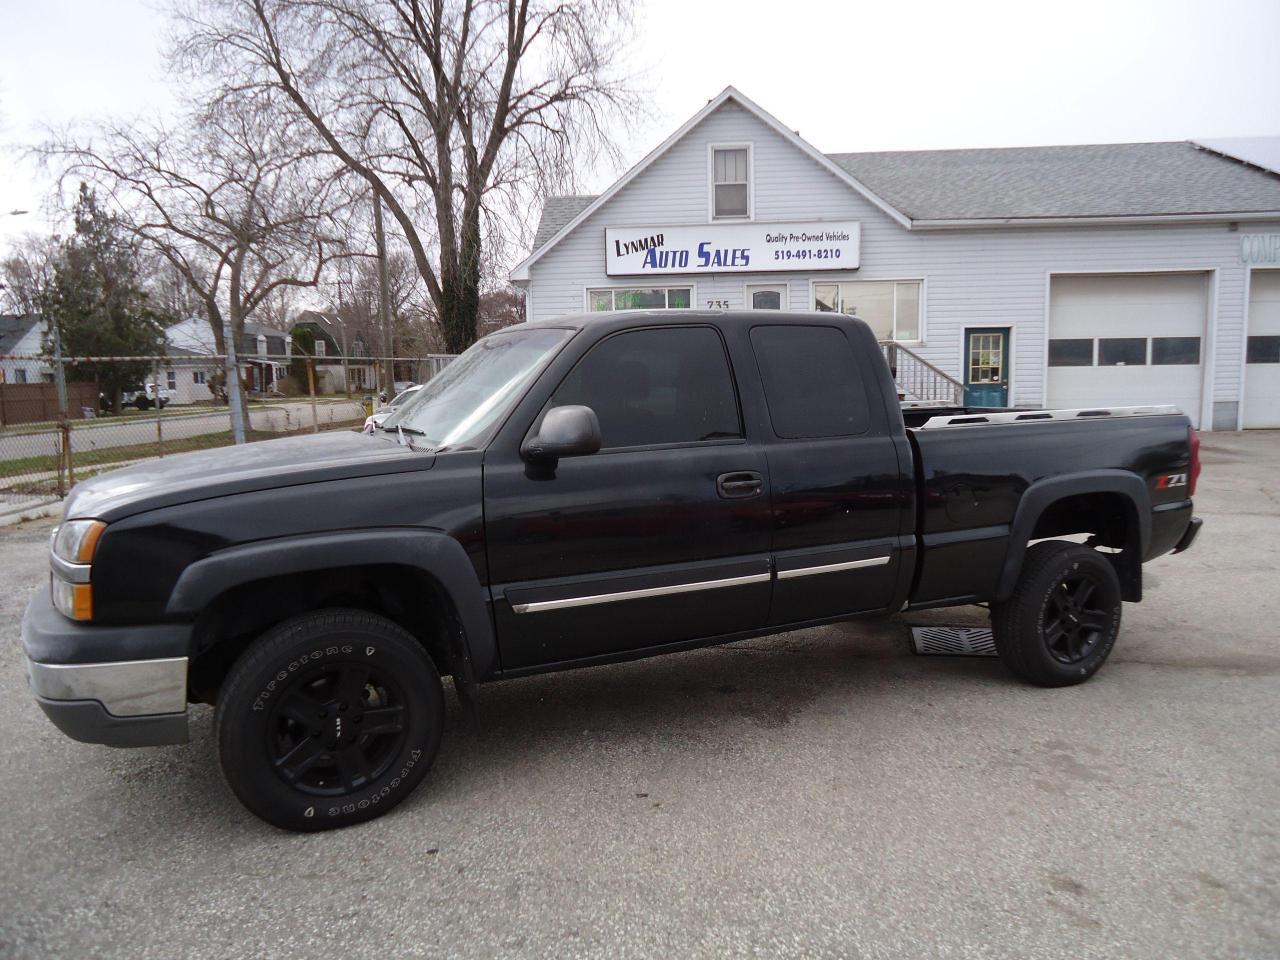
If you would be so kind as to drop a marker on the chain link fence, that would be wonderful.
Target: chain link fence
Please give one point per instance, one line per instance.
(107, 412)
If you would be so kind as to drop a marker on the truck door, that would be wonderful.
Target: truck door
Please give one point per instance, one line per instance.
(841, 502)
(660, 537)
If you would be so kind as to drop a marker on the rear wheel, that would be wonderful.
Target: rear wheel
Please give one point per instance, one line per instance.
(1061, 622)
(330, 719)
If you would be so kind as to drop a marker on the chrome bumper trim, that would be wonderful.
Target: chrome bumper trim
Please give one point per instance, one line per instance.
(638, 594)
(130, 688)
(832, 568)
(71, 572)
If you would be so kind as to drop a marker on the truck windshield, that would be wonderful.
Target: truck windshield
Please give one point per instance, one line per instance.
(472, 394)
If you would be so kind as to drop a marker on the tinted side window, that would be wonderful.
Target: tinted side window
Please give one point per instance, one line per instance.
(811, 381)
(656, 386)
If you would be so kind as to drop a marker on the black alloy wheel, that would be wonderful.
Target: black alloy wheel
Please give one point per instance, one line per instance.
(1072, 628)
(1061, 622)
(336, 728)
(329, 719)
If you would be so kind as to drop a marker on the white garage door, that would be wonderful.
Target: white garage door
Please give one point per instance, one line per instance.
(1127, 339)
(1262, 359)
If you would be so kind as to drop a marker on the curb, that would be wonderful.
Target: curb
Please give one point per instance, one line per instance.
(33, 512)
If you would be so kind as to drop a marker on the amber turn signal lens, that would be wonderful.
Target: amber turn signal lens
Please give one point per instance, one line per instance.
(89, 543)
(82, 601)
(74, 600)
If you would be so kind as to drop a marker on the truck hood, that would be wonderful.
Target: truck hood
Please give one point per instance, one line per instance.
(262, 465)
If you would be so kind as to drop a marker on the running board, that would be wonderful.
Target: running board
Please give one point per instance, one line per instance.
(953, 641)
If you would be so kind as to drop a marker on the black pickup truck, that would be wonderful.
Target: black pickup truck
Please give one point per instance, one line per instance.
(572, 493)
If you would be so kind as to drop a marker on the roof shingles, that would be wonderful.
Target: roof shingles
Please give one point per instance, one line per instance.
(1175, 178)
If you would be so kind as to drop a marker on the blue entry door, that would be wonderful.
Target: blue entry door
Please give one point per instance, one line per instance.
(986, 367)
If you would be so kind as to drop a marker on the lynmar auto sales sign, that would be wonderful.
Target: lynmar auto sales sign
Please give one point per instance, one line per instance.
(732, 248)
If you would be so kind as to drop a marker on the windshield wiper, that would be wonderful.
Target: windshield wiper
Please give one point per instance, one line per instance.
(403, 432)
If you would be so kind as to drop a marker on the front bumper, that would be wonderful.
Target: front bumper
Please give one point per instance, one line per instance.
(121, 686)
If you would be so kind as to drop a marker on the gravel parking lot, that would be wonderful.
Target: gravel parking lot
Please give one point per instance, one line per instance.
(819, 793)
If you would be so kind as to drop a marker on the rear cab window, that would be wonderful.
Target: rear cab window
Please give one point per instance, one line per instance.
(813, 386)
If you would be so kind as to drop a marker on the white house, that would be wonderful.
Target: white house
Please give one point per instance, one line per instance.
(1065, 276)
(22, 344)
(262, 354)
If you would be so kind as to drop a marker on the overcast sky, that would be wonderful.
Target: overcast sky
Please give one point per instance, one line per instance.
(848, 75)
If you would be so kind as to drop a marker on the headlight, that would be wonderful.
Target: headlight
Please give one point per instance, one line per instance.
(72, 550)
(76, 540)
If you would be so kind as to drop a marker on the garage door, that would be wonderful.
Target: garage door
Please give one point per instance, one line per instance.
(1127, 339)
(1262, 359)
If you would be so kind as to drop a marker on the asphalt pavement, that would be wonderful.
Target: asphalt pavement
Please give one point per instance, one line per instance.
(819, 793)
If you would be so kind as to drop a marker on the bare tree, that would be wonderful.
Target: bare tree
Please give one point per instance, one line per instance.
(232, 200)
(456, 114)
(26, 272)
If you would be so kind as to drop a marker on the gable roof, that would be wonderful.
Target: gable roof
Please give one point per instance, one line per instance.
(1226, 179)
(551, 237)
(14, 327)
(557, 212)
(1263, 152)
(1071, 182)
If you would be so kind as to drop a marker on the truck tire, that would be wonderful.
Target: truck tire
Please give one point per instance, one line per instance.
(1061, 622)
(330, 719)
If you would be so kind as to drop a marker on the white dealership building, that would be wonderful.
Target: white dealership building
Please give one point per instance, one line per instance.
(1068, 276)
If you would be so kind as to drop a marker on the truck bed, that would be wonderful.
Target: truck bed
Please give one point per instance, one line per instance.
(978, 470)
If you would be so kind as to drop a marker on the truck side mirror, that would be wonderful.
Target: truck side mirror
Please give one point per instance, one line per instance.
(570, 431)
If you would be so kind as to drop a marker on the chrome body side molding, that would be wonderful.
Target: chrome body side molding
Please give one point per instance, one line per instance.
(539, 605)
(833, 567)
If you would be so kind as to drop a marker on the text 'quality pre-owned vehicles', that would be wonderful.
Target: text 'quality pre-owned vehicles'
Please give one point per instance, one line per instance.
(571, 493)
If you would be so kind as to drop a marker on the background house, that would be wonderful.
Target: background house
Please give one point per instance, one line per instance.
(262, 353)
(1062, 276)
(22, 340)
(340, 349)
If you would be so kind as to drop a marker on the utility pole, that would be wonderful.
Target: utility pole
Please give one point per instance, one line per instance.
(59, 372)
(384, 297)
(342, 322)
(234, 397)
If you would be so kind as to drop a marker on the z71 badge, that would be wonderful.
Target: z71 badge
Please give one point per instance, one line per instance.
(1171, 480)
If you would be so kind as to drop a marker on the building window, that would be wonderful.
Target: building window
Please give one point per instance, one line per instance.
(320, 347)
(262, 345)
(771, 296)
(731, 183)
(198, 376)
(639, 298)
(656, 386)
(1122, 352)
(890, 307)
(171, 377)
(1071, 353)
(1263, 350)
(1175, 351)
(20, 375)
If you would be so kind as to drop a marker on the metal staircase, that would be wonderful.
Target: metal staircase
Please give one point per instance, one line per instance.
(919, 381)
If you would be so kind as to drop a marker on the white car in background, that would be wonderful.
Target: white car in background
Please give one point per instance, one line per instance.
(375, 421)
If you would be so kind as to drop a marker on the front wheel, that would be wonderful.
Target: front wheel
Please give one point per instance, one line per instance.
(1061, 622)
(330, 719)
